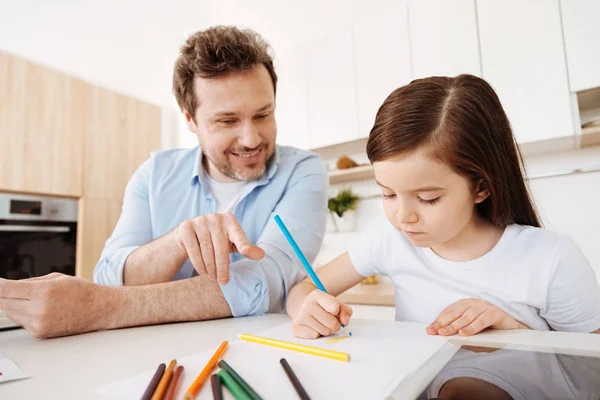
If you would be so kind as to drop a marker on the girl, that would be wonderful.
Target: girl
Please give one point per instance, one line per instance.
(462, 243)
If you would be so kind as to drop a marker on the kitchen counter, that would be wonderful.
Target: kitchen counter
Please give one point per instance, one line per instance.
(375, 294)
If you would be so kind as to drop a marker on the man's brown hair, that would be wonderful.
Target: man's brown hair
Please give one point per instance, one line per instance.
(458, 121)
(215, 52)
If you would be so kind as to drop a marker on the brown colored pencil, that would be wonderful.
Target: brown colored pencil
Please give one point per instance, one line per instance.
(174, 385)
(294, 379)
(154, 382)
(217, 388)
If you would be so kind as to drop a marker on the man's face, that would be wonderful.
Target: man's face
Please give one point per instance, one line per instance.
(235, 123)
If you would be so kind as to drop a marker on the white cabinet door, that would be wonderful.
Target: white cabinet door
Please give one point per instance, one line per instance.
(332, 106)
(382, 54)
(582, 41)
(443, 36)
(523, 58)
(292, 98)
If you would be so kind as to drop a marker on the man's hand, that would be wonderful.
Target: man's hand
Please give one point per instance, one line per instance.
(208, 240)
(53, 305)
(470, 316)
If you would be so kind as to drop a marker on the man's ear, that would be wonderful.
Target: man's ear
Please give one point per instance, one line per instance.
(189, 121)
(482, 191)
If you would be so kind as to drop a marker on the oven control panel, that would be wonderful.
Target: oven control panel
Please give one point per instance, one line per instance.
(37, 208)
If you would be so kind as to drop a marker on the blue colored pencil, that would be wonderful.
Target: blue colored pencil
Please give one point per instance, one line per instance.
(299, 253)
(303, 260)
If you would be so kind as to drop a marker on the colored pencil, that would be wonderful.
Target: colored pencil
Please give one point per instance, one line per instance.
(154, 382)
(247, 388)
(299, 253)
(294, 379)
(303, 260)
(236, 390)
(161, 389)
(315, 351)
(192, 392)
(175, 383)
(217, 389)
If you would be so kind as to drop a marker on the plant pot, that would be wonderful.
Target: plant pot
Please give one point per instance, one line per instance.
(345, 223)
(331, 226)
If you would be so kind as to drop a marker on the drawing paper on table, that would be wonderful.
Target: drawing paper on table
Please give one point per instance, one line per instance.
(9, 371)
(380, 361)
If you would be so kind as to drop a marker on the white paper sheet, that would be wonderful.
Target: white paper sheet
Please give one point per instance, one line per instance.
(9, 371)
(380, 359)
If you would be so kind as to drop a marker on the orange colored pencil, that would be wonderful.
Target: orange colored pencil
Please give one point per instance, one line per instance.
(192, 392)
(174, 385)
(164, 382)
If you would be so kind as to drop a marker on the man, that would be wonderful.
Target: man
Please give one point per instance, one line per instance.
(196, 238)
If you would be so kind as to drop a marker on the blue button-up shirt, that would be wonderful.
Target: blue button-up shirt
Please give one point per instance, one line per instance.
(171, 187)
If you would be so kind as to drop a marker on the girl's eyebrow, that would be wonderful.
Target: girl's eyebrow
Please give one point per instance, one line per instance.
(382, 185)
(427, 189)
(421, 189)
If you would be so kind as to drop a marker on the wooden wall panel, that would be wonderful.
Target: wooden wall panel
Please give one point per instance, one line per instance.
(97, 220)
(123, 132)
(40, 129)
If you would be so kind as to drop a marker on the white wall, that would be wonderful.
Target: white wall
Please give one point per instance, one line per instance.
(569, 204)
(129, 46)
(126, 46)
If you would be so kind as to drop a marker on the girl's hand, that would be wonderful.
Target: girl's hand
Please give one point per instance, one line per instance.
(470, 316)
(321, 314)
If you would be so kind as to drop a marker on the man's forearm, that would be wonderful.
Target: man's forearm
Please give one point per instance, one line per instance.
(154, 262)
(191, 299)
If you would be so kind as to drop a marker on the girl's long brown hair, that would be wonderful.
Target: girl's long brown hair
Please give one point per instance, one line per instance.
(459, 121)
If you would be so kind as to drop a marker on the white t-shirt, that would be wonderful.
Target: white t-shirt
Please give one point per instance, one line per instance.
(226, 194)
(539, 277)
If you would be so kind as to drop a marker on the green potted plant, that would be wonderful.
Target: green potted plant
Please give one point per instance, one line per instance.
(343, 210)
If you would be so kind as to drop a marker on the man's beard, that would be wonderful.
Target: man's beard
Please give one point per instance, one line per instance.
(222, 163)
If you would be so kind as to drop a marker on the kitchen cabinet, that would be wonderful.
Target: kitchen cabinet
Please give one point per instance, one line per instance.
(443, 36)
(332, 107)
(122, 132)
(41, 127)
(581, 32)
(381, 45)
(523, 58)
(97, 220)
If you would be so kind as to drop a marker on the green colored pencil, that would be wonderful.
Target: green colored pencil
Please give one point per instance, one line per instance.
(236, 390)
(240, 381)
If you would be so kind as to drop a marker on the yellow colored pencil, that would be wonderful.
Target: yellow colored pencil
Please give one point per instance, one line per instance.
(315, 351)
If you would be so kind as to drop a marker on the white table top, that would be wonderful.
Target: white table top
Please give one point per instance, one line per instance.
(73, 367)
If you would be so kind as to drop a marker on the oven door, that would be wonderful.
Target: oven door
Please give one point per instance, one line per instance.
(35, 248)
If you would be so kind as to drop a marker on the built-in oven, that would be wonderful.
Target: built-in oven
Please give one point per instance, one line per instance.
(38, 235)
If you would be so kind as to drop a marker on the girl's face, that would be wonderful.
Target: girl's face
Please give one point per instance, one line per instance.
(426, 200)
